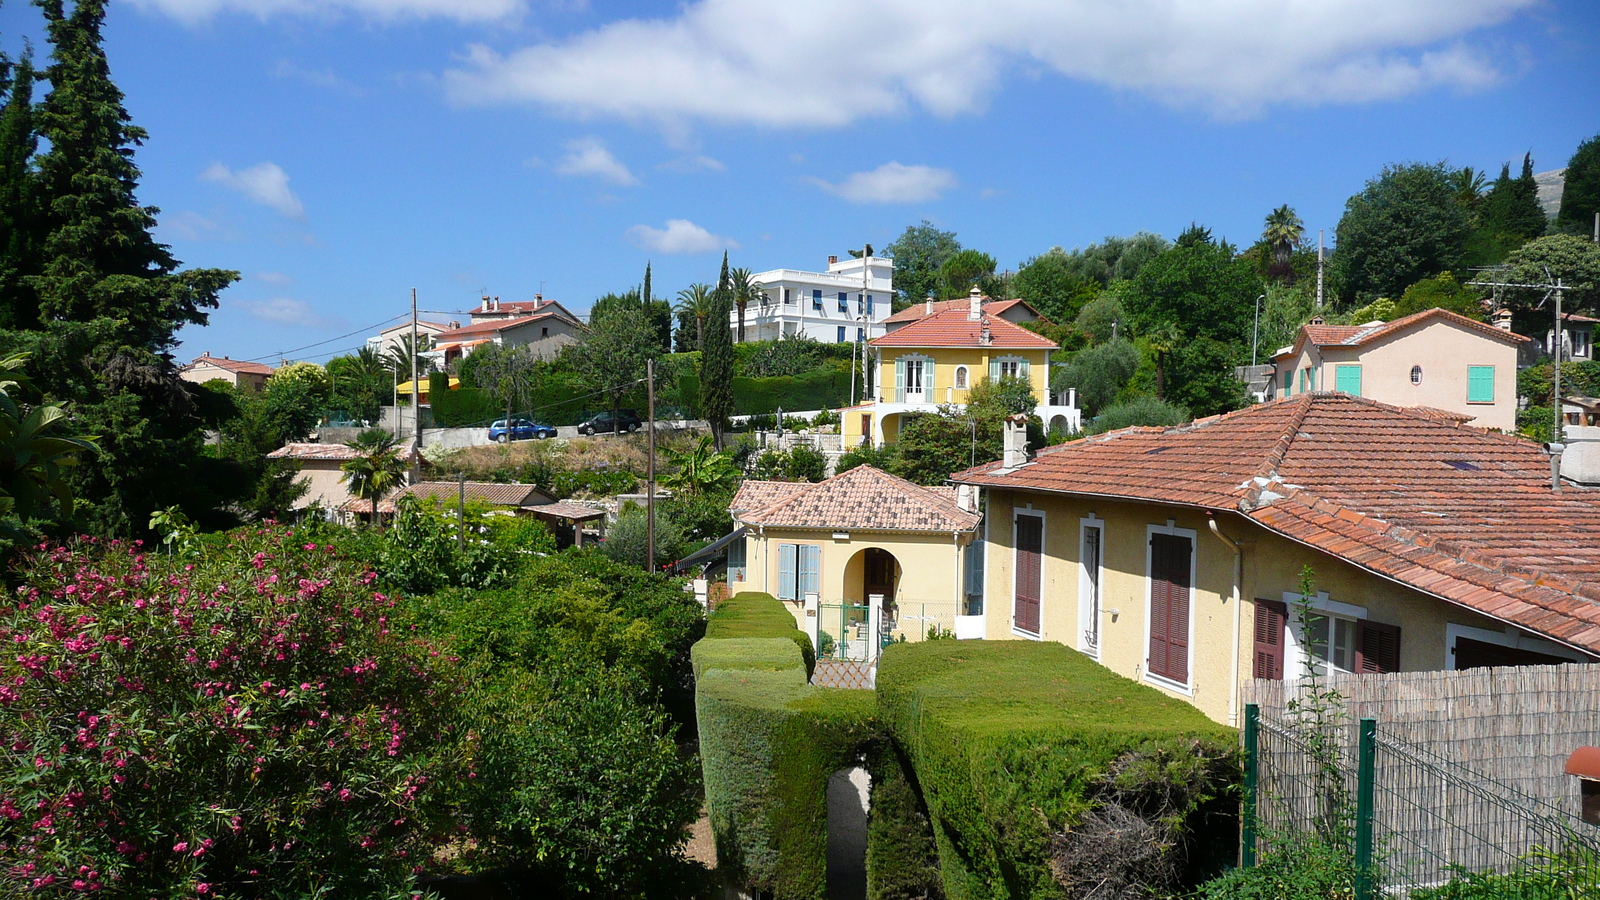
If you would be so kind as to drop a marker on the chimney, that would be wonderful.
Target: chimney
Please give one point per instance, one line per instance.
(832, 260)
(967, 497)
(205, 355)
(985, 337)
(454, 324)
(485, 302)
(1502, 319)
(539, 299)
(497, 304)
(975, 302)
(1015, 442)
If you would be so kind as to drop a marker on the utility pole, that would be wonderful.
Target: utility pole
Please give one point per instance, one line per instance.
(650, 475)
(416, 406)
(1557, 343)
(1319, 269)
(1255, 334)
(461, 510)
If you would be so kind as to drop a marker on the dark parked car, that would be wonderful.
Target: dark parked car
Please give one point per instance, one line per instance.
(520, 430)
(628, 420)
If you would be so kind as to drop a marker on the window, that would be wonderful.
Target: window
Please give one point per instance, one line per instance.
(1347, 378)
(1416, 374)
(972, 602)
(816, 300)
(1333, 636)
(787, 297)
(861, 304)
(869, 304)
(544, 332)
(1008, 367)
(961, 377)
(1092, 539)
(1170, 579)
(841, 334)
(844, 302)
(736, 559)
(913, 378)
(861, 335)
(1480, 384)
(799, 571)
(1029, 533)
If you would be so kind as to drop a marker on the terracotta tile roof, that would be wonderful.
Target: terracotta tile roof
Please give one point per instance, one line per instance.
(864, 499)
(1361, 335)
(952, 328)
(237, 366)
(918, 311)
(484, 491)
(1447, 509)
(364, 507)
(564, 510)
(323, 451)
(753, 495)
(489, 327)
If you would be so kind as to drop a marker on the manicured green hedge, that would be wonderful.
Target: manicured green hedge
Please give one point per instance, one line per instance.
(463, 407)
(902, 856)
(768, 743)
(819, 389)
(1017, 746)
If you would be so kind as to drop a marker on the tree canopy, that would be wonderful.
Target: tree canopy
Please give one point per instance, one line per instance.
(1404, 226)
(1580, 194)
(1051, 283)
(919, 253)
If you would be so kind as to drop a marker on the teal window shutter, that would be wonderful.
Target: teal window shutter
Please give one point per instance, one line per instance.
(1347, 378)
(810, 581)
(899, 379)
(1022, 371)
(1288, 384)
(786, 571)
(1480, 384)
(994, 370)
(1302, 381)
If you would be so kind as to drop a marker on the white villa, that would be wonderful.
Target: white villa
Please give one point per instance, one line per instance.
(847, 302)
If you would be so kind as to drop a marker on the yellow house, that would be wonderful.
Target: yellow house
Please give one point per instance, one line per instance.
(935, 360)
(1434, 358)
(862, 547)
(1174, 556)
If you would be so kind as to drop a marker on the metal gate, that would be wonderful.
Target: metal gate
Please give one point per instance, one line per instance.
(843, 632)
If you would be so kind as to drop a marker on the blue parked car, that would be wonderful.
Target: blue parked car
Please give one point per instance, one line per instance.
(520, 430)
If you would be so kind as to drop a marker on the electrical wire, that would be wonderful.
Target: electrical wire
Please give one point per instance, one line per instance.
(283, 354)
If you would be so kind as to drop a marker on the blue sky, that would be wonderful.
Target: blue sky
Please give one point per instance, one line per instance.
(340, 152)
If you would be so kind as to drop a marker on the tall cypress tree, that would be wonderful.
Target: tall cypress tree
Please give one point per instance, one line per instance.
(1525, 217)
(1580, 194)
(111, 299)
(716, 360)
(20, 220)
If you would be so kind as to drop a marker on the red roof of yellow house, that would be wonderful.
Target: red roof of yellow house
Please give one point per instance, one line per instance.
(1447, 509)
(862, 499)
(990, 307)
(955, 328)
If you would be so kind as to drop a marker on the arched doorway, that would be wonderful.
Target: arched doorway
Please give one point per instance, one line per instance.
(880, 574)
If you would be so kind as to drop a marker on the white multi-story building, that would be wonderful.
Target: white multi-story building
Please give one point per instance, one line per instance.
(847, 302)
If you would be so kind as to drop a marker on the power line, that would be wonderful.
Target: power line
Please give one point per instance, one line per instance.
(283, 354)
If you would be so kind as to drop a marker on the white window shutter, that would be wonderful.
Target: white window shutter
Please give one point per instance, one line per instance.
(994, 370)
(899, 379)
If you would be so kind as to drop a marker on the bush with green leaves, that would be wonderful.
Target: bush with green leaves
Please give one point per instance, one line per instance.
(1147, 411)
(241, 722)
(626, 539)
(1098, 374)
(802, 462)
(866, 454)
(1045, 774)
(768, 743)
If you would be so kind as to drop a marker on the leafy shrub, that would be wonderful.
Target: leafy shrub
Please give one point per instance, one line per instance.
(245, 724)
(1030, 756)
(880, 457)
(902, 858)
(1300, 869)
(626, 539)
(802, 462)
(768, 744)
(1139, 411)
(464, 407)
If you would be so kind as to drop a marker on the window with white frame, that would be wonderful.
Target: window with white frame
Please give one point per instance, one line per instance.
(1091, 533)
(1322, 635)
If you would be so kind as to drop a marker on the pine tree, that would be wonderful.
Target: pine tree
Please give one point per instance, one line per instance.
(716, 360)
(19, 200)
(1580, 195)
(111, 299)
(1526, 217)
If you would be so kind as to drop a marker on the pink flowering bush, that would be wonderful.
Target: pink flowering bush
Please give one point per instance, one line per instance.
(247, 724)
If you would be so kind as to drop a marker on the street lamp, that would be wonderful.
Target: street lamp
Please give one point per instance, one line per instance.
(1255, 333)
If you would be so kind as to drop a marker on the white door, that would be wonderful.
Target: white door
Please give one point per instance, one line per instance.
(914, 384)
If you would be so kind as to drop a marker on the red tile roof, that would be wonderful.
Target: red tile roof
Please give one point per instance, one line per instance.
(237, 366)
(487, 492)
(863, 499)
(991, 307)
(753, 495)
(324, 451)
(952, 328)
(1361, 335)
(1444, 508)
(490, 327)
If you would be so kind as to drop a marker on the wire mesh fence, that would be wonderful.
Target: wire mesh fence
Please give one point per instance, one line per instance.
(1412, 822)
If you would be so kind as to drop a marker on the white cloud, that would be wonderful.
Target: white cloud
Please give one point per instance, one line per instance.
(197, 11)
(265, 184)
(193, 226)
(277, 278)
(589, 156)
(693, 163)
(892, 183)
(680, 236)
(326, 79)
(287, 311)
(716, 61)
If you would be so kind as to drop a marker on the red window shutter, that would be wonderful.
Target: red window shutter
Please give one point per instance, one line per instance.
(1159, 615)
(1378, 648)
(1272, 616)
(1169, 606)
(1030, 549)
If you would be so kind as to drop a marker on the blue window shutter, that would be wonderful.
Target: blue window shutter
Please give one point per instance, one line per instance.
(1347, 378)
(786, 571)
(1480, 384)
(841, 334)
(816, 299)
(844, 302)
(810, 581)
(899, 379)
(869, 304)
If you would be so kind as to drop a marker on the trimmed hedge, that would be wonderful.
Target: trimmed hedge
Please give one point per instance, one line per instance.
(902, 857)
(768, 743)
(1041, 770)
(819, 389)
(463, 407)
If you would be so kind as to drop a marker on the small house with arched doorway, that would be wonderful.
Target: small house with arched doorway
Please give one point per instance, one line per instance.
(861, 540)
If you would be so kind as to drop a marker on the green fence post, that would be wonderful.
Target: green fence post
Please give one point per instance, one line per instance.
(1252, 769)
(1365, 797)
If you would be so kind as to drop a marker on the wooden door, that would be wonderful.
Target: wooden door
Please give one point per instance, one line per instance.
(1030, 552)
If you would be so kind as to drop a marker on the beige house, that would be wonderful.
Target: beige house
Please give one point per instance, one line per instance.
(236, 372)
(320, 464)
(544, 325)
(1434, 358)
(838, 550)
(1174, 556)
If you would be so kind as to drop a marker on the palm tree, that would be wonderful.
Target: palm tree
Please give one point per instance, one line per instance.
(696, 300)
(1163, 341)
(745, 291)
(701, 469)
(1470, 184)
(1283, 231)
(377, 470)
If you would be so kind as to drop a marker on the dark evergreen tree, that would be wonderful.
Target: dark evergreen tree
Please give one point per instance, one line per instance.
(1524, 216)
(1580, 195)
(1404, 226)
(110, 298)
(20, 220)
(716, 360)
